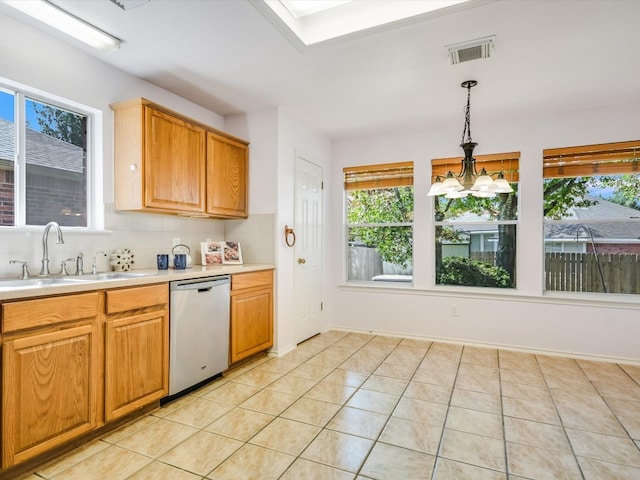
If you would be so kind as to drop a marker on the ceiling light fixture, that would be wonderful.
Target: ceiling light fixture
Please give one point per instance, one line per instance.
(66, 23)
(468, 181)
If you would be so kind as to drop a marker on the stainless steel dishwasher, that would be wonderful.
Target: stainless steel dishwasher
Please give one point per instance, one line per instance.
(199, 331)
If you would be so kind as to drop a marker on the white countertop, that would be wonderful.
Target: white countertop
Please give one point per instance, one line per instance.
(155, 276)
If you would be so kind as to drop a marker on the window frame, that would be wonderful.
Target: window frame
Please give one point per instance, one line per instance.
(596, 160)
(94, 149)
(376, 176)
(506, 163)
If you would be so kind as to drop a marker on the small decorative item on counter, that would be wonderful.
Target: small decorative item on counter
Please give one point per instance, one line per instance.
(163, 261)
(217, 253)
(232, 253)
(180, 261)
(121, 260)
(179, 249)
(211, 253)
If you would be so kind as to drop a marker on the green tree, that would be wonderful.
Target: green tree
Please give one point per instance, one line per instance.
(395, 205)
(377, 207)
(626, 189)
(562, 194)
(61, 124)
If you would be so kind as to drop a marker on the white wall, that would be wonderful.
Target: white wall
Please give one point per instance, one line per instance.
(525, 318)
(39, 61)
(276, 139)
(294, 138)
(530, 319)
(256, 234)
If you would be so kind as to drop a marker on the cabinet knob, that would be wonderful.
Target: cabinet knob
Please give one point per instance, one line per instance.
(301, 261)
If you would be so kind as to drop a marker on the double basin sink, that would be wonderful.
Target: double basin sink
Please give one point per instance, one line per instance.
(54, 281)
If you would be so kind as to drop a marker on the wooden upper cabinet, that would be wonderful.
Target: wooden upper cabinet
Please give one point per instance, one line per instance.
(227, 173)
(174, 160)
(167, 163)
(159, 160)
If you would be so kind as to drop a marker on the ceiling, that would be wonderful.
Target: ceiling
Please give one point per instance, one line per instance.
(229, 57)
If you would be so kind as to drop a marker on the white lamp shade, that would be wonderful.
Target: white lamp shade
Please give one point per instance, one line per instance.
(451, 184)
(482, 183)
(483, 194)
(457, 194)
(436, 189)
(500, 185)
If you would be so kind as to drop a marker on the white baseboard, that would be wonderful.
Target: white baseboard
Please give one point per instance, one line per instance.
(282, 351)
(537, 351)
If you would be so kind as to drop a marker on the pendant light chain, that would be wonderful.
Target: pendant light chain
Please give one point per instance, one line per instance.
(469, 181)
(467, 118)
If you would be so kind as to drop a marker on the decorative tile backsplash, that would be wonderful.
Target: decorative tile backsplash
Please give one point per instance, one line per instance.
(145, 235)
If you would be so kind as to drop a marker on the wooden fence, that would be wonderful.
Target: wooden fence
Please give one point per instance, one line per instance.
(578, 272)
(563, 272)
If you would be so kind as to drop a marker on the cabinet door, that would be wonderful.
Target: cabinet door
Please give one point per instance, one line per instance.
(227, 172)
(174, 170)
(49, 390)
(136, 362)
(251, 323)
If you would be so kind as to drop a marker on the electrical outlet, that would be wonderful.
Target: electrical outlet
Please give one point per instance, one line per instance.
(454, 311)
(176, 241)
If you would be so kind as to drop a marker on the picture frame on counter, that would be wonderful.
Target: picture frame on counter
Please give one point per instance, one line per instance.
(219, 253)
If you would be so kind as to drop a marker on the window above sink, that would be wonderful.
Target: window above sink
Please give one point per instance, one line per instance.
(50, 160)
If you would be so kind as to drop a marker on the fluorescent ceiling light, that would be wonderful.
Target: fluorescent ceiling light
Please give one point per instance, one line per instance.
(315, 21)
(66, 23)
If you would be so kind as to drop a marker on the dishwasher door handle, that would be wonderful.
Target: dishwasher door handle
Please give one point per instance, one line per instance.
(200, 285)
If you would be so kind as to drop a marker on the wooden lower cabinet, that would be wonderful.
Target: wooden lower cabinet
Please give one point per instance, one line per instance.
(70, 363)
(136, 349)
(251, 314)
(50, 382)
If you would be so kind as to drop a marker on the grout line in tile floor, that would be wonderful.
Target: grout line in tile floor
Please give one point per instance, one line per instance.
(559, 418)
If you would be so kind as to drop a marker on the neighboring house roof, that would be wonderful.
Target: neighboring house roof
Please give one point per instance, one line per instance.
(7, 142)
(593, 217)
(43, 150)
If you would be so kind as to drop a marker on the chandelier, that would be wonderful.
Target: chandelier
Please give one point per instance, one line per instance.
(469, 181)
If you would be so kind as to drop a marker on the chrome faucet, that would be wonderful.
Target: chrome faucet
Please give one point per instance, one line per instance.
(94, 268)
(25, 269)
(80, 264)
(44, 271)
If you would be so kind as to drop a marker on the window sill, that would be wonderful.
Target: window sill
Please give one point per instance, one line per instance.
(609, 300)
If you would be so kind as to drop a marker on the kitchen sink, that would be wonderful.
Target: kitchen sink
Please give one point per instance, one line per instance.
(39, 282)
(106, 276)
(11, 284)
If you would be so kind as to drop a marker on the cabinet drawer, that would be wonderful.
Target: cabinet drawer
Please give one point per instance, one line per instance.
(250, 280)
(138, 297)
(48, 311)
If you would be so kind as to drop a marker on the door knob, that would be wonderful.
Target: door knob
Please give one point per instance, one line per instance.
(301, 261)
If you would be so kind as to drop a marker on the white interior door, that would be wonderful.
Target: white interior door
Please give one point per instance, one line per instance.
(308, 249)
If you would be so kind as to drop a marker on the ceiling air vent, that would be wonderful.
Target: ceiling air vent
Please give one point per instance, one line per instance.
(471, 50)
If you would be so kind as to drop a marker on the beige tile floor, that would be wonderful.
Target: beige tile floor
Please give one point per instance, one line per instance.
(357, 406)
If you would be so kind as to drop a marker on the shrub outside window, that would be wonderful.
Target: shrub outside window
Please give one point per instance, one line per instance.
(592, 218)
(475, 238)
(43, 162)
(379, 222)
